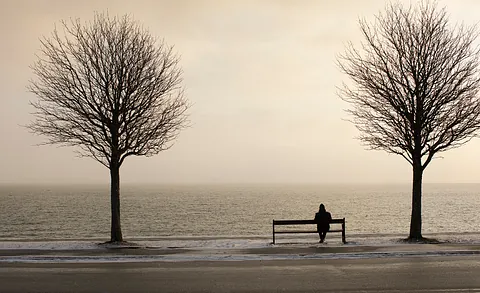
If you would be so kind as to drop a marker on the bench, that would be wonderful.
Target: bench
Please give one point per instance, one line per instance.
(306, 222)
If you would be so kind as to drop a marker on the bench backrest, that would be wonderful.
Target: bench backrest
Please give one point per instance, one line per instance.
(300, 222)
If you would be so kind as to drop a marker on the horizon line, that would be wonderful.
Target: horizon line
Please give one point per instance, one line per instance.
(226, 183)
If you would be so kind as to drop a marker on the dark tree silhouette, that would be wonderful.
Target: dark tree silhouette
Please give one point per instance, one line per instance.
(109, 89)
(414, 91)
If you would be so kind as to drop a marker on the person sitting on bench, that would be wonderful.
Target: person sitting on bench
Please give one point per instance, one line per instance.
(323, 219)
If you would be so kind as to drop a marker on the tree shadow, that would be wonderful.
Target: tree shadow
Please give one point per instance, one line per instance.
(119, 245)
(422, 240)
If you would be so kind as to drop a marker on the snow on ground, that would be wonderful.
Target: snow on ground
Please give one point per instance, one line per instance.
(158, 244)
(211, 243)
(225, 257)
(233, 249)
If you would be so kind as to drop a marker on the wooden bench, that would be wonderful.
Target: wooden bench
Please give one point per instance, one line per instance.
(306, 222)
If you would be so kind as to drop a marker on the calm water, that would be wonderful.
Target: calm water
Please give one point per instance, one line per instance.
(83, 212)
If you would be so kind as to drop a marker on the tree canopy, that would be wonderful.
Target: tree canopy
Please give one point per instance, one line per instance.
(414, 91)
(110, 89)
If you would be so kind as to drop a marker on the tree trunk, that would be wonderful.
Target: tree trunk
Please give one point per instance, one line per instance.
(116, 229)
(416, 219)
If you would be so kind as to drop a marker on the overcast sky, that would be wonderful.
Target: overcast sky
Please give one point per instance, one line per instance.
(262, 79)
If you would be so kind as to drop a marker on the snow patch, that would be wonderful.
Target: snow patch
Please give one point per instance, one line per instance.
(227, 257)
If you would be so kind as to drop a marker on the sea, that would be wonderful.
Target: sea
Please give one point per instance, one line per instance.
(149, 211)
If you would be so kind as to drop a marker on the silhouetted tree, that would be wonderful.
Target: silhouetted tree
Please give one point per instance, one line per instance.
(414, 91)
(108, 88)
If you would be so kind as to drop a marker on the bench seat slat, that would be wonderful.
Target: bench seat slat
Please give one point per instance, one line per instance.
(295, 232)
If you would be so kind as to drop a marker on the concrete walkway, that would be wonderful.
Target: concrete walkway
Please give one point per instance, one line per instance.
(397, 274)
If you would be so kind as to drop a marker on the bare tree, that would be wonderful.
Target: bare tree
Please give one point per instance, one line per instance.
(109, 89)
(414, 91)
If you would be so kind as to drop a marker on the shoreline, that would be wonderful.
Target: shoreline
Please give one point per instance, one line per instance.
(445, 236)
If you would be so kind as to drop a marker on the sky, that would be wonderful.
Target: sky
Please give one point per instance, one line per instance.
(262, 79)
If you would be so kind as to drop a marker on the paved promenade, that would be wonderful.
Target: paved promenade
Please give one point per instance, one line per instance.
(415, 274)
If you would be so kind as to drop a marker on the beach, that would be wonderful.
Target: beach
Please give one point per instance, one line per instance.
(440, 267)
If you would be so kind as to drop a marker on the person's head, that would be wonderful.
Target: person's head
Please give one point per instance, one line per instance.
(322, 208)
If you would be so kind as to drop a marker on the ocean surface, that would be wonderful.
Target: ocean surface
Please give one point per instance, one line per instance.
(82, 212)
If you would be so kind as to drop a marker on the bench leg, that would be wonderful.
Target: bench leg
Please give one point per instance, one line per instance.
(343, 234)
(273, 232)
